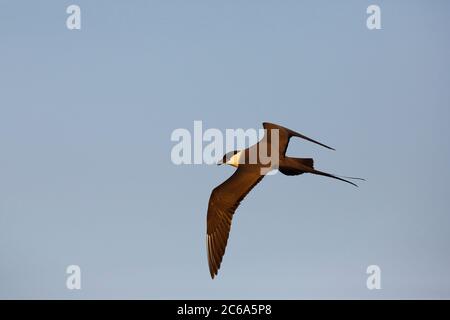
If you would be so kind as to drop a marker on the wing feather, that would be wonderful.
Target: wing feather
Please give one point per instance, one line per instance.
(285, 135)
(223, 202)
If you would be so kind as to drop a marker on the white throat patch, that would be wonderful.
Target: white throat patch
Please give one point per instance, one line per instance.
(234, 160)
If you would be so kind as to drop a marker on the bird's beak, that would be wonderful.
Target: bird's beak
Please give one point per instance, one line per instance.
(219, 162)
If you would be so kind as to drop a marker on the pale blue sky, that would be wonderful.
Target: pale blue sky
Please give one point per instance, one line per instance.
(85, 170)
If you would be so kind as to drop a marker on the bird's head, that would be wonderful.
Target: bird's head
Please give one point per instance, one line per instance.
(231, 158)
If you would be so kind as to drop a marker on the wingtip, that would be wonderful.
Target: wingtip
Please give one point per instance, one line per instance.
(212, 273)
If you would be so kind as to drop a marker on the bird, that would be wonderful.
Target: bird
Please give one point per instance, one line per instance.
(226, 198)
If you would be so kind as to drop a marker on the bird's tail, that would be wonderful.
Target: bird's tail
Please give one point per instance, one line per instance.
(342, 178)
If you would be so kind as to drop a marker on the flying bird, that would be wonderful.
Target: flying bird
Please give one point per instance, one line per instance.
(226, 197)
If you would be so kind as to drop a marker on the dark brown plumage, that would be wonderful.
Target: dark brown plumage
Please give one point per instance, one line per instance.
(226, 197)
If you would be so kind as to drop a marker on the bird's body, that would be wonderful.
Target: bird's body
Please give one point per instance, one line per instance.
(252, 165)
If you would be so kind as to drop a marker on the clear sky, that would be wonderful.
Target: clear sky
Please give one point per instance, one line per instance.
(85, 170)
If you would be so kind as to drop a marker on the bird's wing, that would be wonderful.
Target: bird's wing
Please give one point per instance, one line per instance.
(223, 202)
(285, 135)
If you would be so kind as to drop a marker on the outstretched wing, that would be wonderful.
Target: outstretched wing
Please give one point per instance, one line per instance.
(223, 202)
(285, 135)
